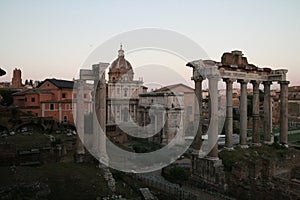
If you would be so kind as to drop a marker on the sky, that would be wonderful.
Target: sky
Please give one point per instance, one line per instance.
(52, 39)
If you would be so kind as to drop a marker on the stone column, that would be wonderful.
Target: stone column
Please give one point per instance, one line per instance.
(283, 112)
(96, 127)
(243, 114)
(214, 118)
(255, 113)
(267, 112)
(229, 114)
(100, 99)
(80, 122)
(197, 114)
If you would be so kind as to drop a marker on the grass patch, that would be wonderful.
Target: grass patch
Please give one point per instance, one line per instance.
(294, 137)
(273, 152)
(66, 180)
(27, 141)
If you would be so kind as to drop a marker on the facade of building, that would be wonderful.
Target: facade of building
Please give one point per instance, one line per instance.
(294, 106)
(162, 113)
(188, 101)
(52, 98)
(122, 91)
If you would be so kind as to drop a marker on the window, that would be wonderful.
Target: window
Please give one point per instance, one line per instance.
(74, 96)
(65, 119)
(64, 95)
(67, 106)
(33, 99)
(125, 92)
(51, 106)
(84, 96)
(25, 99)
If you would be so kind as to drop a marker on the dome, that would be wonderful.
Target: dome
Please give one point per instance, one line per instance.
(120, 68)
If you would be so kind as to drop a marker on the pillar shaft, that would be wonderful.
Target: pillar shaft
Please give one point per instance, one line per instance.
(214, 118)
(229, 114)
(267, 112)
(284, 112)
(80, 118)
(101, 114)
(255, 113)
(243, 113)
(197, 114)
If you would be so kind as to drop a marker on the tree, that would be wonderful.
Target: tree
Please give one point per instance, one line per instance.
(7, 97)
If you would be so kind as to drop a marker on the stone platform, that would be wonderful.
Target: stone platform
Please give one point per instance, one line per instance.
(209, 173)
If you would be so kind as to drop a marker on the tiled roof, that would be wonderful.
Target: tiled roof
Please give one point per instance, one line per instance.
(59, 83)
(32, 91)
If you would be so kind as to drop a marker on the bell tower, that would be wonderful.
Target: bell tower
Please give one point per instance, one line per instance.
(16, 81)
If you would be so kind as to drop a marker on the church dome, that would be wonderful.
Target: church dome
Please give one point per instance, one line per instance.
(120, 68)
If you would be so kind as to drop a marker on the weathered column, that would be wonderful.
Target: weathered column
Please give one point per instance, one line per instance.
(96, 107)
(229, 114)
(255, 113)
(267, 112)
(214, 119)
(284, 112)
(80, 122)
(197, 113)
(100, 99)
(243, 114)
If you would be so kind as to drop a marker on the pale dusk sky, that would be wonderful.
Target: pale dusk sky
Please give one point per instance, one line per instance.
(53, 38)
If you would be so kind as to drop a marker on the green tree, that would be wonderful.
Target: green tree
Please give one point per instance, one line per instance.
(7, 97)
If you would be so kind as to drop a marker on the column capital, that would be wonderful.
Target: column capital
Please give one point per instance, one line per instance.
(242, 81)
(198, 66)
(267, 82)
(283, 82)
(197, 77)
(255, 82)
(229, 80)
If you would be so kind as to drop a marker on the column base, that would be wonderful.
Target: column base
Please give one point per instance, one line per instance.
(228, 148)
(268, 142)
(212, 158)
(244, 146)
(256, 144)
(199, 153)
(104, 160)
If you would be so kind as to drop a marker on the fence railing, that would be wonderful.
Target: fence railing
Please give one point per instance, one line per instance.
(173, 190)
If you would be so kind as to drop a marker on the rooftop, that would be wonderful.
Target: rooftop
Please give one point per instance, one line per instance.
(61, 84)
